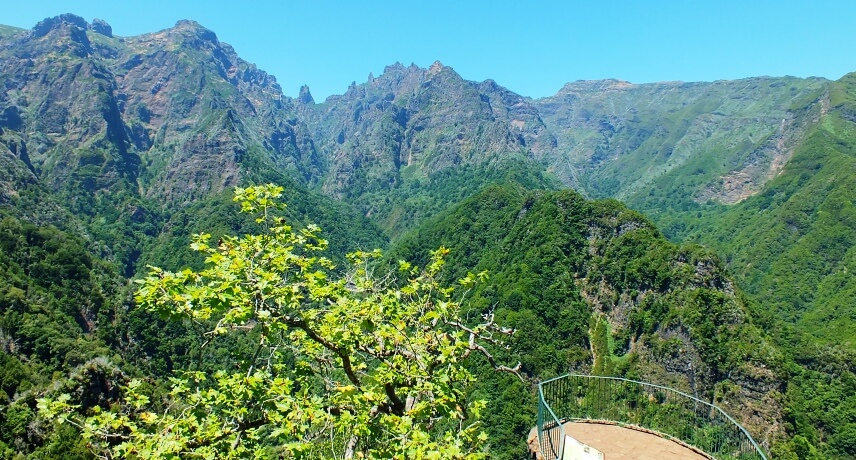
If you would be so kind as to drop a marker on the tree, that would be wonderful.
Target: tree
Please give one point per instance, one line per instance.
(351, 366)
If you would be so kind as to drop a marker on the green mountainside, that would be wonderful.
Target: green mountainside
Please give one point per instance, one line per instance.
(591, 286)
(123, 133)
(792, 244)
(771, 191)
(791, 248)
(58, 307)
(717, 141)
(114, 150)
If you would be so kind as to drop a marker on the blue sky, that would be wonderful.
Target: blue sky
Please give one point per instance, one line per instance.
(532, 47)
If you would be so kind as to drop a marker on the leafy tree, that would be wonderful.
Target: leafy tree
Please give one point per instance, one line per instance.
(353, 366)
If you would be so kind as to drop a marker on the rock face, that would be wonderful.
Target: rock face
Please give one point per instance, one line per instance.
(172, 114)
(100, 26)
(411, 122)
(61, 99)
(305, 96)
(199, 111)
(45, 26)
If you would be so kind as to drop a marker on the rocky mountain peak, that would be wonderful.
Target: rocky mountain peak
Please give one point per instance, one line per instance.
(490, 84)
(393, 68)
(194, 29)
(435, 68)
(64, 33)
(57, 22)
(305, 96)
(102, 27)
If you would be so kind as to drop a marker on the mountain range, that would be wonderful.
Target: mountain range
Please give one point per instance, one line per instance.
(113, 150)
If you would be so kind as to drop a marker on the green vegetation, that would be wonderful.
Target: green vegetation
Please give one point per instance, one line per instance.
(358, 366)
(57, 304)
(591, 286)
(668, 145)
(418, 198)
(791, 249)
(113, 152)
(792, 243)
(217, 215)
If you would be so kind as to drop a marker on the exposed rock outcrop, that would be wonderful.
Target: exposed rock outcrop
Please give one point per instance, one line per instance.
(100, 26)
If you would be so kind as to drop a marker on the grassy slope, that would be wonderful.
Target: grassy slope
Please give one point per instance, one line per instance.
(793, 244)
(668, 144)
(792, 249)
(6, 31)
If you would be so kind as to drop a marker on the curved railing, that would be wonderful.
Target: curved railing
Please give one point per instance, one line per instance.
(664, 410)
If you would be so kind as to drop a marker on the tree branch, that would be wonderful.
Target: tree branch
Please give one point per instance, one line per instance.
(346, 359)
(398, 406)
(475, 333)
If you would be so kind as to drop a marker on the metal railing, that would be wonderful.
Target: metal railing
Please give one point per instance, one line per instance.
(664, 410)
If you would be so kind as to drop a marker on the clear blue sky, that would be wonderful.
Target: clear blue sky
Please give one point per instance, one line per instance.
(531, 47)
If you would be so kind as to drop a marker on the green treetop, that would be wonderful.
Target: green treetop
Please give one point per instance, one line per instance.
(351, 366)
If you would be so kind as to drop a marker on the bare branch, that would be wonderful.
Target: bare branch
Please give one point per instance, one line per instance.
(476, 333)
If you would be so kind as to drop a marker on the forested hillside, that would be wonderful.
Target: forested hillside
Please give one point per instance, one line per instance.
(89, 194)
(592, 286)
(58, 304)
(792, 244)
(727, 274)
(791, 248)
(772, 194)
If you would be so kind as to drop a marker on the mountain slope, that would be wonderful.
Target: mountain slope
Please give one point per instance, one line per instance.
(793, 243)
(204, 117)
(409, 135)
(128, 144)
(412, 122)
(124, 132)
(591, 286)
(716, 141)
(791, 249)
(58, 307)
(154, 122)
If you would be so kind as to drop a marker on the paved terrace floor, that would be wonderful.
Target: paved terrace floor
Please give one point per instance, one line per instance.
(619, 443)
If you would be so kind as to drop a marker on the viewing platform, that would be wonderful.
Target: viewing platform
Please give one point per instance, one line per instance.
(583, 417)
